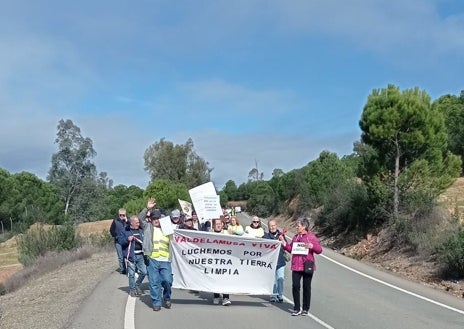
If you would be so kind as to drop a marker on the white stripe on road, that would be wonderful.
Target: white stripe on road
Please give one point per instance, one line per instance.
(129, 316)
(393, 286)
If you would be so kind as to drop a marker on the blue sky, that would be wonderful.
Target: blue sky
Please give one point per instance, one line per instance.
(275, 82)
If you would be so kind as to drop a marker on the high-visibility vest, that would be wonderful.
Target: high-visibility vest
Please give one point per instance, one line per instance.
(160, 244)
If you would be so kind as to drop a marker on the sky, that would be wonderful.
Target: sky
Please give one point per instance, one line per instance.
(266, 82)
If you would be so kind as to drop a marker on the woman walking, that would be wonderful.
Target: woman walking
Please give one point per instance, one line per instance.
(302, 247)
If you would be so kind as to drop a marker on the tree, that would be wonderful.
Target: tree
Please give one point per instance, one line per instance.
(403, 127)
(71, 165)
(230, 190)
(452, 107)
(120, 195)
(166, 193)
(25, 199)
(176, 163)
(277, 173)
(254, 174)
(323, 175)
(262, 199)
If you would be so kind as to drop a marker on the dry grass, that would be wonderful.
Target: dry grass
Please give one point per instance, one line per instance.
(453, 199)
(9, 263)
(44, 264)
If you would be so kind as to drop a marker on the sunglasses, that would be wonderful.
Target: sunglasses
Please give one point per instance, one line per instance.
(122, 215)
(256, 222)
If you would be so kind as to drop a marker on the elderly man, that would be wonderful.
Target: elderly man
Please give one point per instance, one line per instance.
(175, 218)
(117, 226)
(156, 248)
(131, 241)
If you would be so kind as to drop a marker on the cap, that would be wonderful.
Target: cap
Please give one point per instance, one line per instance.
(155, 214)
(175, 213)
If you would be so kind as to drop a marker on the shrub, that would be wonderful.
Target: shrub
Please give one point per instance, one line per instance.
(38, 242)
(101, 241)
(451, 253)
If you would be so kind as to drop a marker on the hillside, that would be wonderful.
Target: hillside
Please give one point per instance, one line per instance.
(9, 263)
(404, 262)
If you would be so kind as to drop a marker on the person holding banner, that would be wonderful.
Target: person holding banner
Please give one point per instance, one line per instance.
(302, 247)
(235, 228)
(278, 289)
(255, 229)
(218, 225)
(130, 240)
(156, 247)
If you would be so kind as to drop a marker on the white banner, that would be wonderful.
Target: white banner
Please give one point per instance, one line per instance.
(222, 263)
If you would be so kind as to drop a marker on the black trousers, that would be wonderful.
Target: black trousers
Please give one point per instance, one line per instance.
(296, 287)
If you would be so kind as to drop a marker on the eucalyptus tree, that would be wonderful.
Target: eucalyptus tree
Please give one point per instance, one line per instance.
(71, 167)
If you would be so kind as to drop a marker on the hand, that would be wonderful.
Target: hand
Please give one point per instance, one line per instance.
(309, 245)
(130, 238)
(151, 203)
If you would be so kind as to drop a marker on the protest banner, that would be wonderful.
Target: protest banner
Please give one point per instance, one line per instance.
(186, 207)
(213, 262)
(205, 201)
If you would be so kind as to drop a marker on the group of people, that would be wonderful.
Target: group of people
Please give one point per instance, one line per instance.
(142, 248)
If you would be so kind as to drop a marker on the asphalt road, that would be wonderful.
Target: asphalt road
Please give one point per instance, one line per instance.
(346, 294)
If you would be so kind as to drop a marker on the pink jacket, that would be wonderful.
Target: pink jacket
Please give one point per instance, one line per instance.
(298, 260)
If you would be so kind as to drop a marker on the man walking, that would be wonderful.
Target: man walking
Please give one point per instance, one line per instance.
(156, 248)
(117, 226)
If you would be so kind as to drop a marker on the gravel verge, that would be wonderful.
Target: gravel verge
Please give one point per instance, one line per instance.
(50, 300)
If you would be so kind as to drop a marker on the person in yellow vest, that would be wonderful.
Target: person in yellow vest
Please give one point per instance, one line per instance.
(156, 249)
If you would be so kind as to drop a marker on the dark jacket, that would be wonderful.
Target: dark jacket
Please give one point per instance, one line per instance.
(117, 226)
(206, 226)
(275, 236)
(123, 240)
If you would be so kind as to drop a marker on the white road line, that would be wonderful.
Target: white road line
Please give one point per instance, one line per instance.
(129, 316)
(393, 286)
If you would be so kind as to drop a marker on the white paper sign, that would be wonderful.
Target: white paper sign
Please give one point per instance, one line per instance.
(166, 225)
(298, 248)
(206, 201)
(222, 263)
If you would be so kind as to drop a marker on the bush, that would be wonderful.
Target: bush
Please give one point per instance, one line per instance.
(100, 241)
(37, 242)
(451, 255)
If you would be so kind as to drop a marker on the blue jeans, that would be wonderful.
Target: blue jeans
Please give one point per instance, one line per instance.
(139, 266)
(279, 282)
(122, 265)
(159, 278)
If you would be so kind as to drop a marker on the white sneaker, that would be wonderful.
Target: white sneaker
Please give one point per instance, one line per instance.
(216, 301)
(296, 313)
(226, 302)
